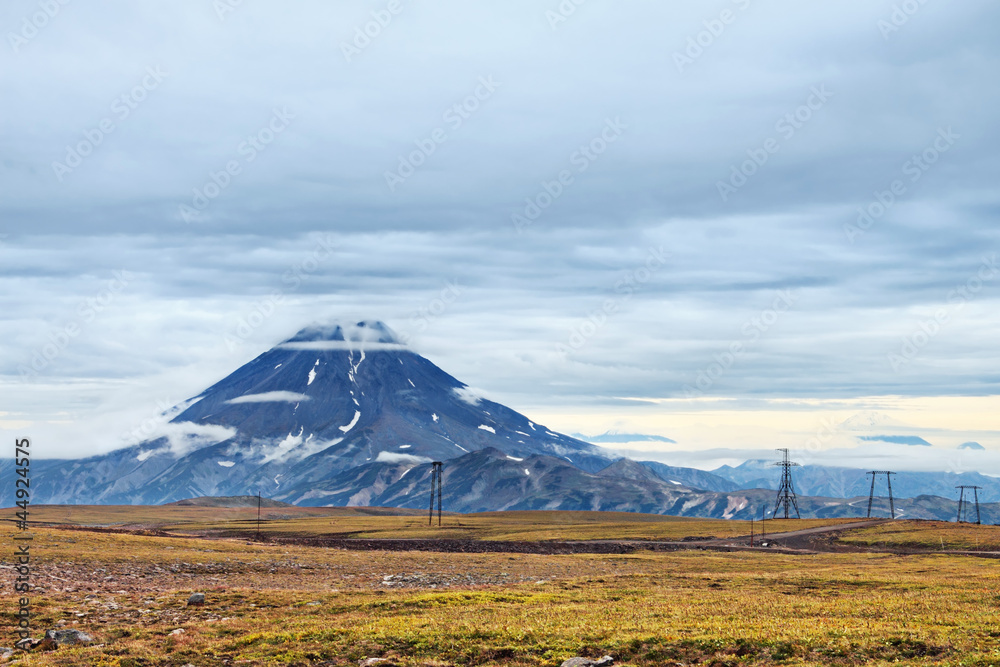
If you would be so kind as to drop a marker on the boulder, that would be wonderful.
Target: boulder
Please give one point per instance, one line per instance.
(196, 598)
(63, 637)
(606, 661)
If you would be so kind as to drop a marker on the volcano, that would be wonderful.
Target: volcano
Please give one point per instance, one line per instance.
(331, 398)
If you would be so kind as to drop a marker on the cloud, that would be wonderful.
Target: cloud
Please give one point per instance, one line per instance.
(270, 397)
(185, 437)
(469, 395)
(395, 457)
(308, 229)
(368, 346)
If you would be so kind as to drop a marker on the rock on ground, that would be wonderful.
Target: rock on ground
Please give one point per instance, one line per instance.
(606, 661)
(68, 637)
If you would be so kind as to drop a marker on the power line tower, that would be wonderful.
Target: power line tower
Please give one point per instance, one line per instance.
(871, 494)
(963, 500)
(786, 493)
(436, 480)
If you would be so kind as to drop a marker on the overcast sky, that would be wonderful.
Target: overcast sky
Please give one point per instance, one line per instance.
(721, 222)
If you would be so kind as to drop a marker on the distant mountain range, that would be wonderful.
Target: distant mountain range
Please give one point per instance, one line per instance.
(912, 440)
(815, 480)
(972, 445)
(490, 480)
(345, 414)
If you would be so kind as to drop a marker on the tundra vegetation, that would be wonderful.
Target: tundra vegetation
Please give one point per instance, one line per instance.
(274, 603)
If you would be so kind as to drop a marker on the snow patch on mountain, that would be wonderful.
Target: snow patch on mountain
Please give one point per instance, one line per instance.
(354, 422)
(226, 464)
(270, 397)
(734, 505)
(280, 453)
(484, 427)
(353, 374)
(290, 449)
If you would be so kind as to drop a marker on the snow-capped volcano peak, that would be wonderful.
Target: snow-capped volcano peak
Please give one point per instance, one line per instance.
(335, 396)
(338, 333)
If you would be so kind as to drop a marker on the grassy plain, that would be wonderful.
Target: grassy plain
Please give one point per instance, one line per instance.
(273, 604)
(374, 523)
(937, 535)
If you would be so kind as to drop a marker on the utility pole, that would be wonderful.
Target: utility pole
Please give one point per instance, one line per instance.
(437, 475)
(871, 493)
(440, 485)
(786, 493)
(962, 500)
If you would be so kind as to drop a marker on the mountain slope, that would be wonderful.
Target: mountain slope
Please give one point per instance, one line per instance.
(690, 477)
(489, 480)
(492, 480)
(328, 399)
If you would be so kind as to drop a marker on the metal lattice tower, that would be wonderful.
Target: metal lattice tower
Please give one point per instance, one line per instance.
(436, 480)
(786, 493)
(963, 500)
(871, 494)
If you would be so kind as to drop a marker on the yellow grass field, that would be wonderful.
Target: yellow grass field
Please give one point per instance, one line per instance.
(387, 523)
(928, 535)
(271, 604)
